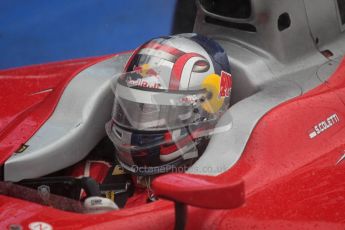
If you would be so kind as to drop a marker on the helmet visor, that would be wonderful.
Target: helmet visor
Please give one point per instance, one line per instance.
(154, 109)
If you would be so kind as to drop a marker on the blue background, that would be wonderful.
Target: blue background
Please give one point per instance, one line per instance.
(40, 31)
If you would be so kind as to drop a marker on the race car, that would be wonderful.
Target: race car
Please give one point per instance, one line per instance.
(279, 165)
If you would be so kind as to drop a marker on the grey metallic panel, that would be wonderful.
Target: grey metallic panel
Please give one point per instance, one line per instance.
(327, 69)
(75, 127)
(282, 45)
(226, 148)
(323, 20)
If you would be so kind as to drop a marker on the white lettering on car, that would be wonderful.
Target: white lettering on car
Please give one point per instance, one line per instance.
(324, 125)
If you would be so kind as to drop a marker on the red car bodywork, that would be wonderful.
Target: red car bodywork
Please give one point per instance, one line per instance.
(291, 181)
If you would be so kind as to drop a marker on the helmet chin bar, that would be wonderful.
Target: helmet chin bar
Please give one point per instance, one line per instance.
(179, 164)
(169, 154)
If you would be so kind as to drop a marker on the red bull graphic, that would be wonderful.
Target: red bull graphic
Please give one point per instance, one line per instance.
(145, 70)
(225, 84)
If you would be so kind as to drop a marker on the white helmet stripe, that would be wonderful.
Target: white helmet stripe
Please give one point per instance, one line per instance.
(159, 54)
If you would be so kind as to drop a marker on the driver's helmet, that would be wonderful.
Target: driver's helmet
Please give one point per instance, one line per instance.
(167, 102)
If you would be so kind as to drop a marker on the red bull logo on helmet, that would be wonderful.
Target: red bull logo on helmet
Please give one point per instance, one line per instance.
(145, 70)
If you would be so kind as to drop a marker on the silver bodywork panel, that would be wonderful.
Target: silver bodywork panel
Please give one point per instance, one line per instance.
(224, 149)
(75, 127)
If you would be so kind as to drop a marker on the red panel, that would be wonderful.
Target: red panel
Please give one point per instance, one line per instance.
(195, 190)
(28, 97)
(158, 215)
